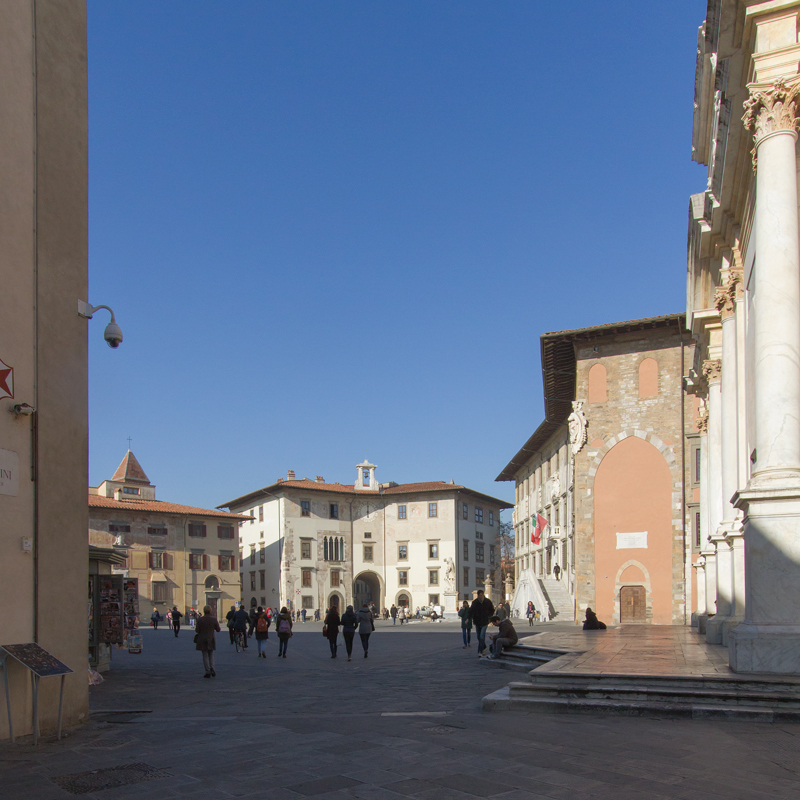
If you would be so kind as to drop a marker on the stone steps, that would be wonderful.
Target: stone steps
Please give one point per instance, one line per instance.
(696, 697)
(524, 658)
(562, 607)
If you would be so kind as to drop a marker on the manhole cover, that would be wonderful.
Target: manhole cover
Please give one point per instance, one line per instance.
(111, 778)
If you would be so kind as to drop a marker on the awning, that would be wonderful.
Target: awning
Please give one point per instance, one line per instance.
(158, 577)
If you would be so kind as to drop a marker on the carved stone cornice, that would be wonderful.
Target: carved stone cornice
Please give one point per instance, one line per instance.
(712, 370)
(771, 108)
(728, 293)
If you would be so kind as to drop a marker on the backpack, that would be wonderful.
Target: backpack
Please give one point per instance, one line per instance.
(262, 626)
(285, 626)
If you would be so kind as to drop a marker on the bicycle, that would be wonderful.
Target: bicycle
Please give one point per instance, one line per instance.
(238, 640)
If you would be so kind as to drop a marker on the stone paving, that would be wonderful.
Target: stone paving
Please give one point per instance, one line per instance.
(405, 723)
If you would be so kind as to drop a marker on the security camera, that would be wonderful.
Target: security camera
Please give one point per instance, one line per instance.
(113, 335)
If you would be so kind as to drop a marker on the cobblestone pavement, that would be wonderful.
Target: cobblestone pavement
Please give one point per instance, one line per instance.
(405, 723)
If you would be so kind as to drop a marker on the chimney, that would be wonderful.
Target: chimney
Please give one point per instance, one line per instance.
(290, 475)
(319, 479)
(280, 480)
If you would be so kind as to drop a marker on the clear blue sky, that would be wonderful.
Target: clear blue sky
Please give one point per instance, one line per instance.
(338, 229)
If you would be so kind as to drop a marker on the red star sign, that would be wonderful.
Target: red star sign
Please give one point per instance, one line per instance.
(6, 381)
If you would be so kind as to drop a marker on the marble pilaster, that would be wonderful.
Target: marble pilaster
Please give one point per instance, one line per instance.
(769, 638)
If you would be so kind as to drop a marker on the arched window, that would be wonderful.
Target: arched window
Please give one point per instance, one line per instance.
(325, 547)
(648, 378)
(597, 384)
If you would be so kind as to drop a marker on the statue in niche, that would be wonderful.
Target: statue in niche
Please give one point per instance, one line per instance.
(449, 575)
(577, 424)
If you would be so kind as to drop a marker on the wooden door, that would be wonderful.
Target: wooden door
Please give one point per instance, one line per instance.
(633, 604)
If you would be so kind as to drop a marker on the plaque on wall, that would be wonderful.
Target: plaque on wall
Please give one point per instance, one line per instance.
(632, 541)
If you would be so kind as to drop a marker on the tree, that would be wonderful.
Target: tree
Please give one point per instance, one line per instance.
(506, 540)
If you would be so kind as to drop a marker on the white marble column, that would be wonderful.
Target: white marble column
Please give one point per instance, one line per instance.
(730, 526)
(769, 638)
(712, 374)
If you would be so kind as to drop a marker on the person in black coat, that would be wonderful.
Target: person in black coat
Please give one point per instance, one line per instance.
(591, 623)
(241, 619)
(332, 623)
(176, 620)
(482, 611)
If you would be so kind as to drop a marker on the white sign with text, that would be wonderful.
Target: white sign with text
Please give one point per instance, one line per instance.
(632, 541)
(9, 472)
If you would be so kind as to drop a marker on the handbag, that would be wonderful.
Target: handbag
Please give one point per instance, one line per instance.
(324, 630)
(195, 638)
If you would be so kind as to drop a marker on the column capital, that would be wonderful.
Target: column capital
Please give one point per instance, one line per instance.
(712, 370)
(728, 292)
(770, 109)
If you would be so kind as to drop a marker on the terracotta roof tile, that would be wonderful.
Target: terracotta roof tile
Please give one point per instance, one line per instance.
(98, 501)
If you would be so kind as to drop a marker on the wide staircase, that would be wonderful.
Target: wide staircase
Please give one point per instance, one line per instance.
(562, 607)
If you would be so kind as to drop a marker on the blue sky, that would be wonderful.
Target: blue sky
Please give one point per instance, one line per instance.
(338, 229)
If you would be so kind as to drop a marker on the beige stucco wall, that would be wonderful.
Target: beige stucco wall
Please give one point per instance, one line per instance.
(43, 268)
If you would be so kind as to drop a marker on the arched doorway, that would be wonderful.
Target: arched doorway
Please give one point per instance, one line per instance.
(335, 600)
(367, 589)
(212, 594)
(403, 600)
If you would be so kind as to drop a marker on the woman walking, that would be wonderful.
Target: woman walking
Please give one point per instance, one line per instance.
(466, 624)
(530, 613)
(331, 629)
(283, 625)
(206, 640)
(349, 625)
(155, 618)
(365, 627)
(262, 632)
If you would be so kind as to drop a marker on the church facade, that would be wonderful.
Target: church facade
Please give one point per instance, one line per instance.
(743, 307)
(604, 492)
(309, 544)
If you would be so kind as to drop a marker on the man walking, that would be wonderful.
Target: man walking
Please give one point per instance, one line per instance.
(176, 620)
(393, 612)
(557, 572)
(481, 610)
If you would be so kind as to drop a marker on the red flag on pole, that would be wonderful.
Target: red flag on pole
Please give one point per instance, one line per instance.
(536, 533)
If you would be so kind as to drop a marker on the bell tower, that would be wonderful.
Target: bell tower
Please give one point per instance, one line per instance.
(365, 481)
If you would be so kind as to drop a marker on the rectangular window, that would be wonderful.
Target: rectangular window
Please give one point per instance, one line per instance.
(466, 550)
(262, 579)
(305, 550)
(129, 490)
(159, 592)
(305, 508)
(402, 577)
(433, 577)
(335, 578)
(197, 529)
(195, 561)
(261, 534)
(225, 531)
(118, 527)
(226, 563)
(308, 602)
(478, 514)
(262, 556)
(480, 578)
(433, 550)
(432, 509)
(158, 559)
(367, 552)
(252, 581)
(694, 522)
(695, 462)
(491, 518)
(367, 535)
(402, 552)
(479, 534)
(334, 511)
(491, 554)
(479, 551)
(433, 599)
(466, 576)
(306, 577)
(465, 511)
(157, 531)
(261, 513)
(401, 512)
(252, 554)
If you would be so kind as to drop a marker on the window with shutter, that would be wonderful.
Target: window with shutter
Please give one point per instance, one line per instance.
(206, 564)
(219, 563)
(168, 561)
